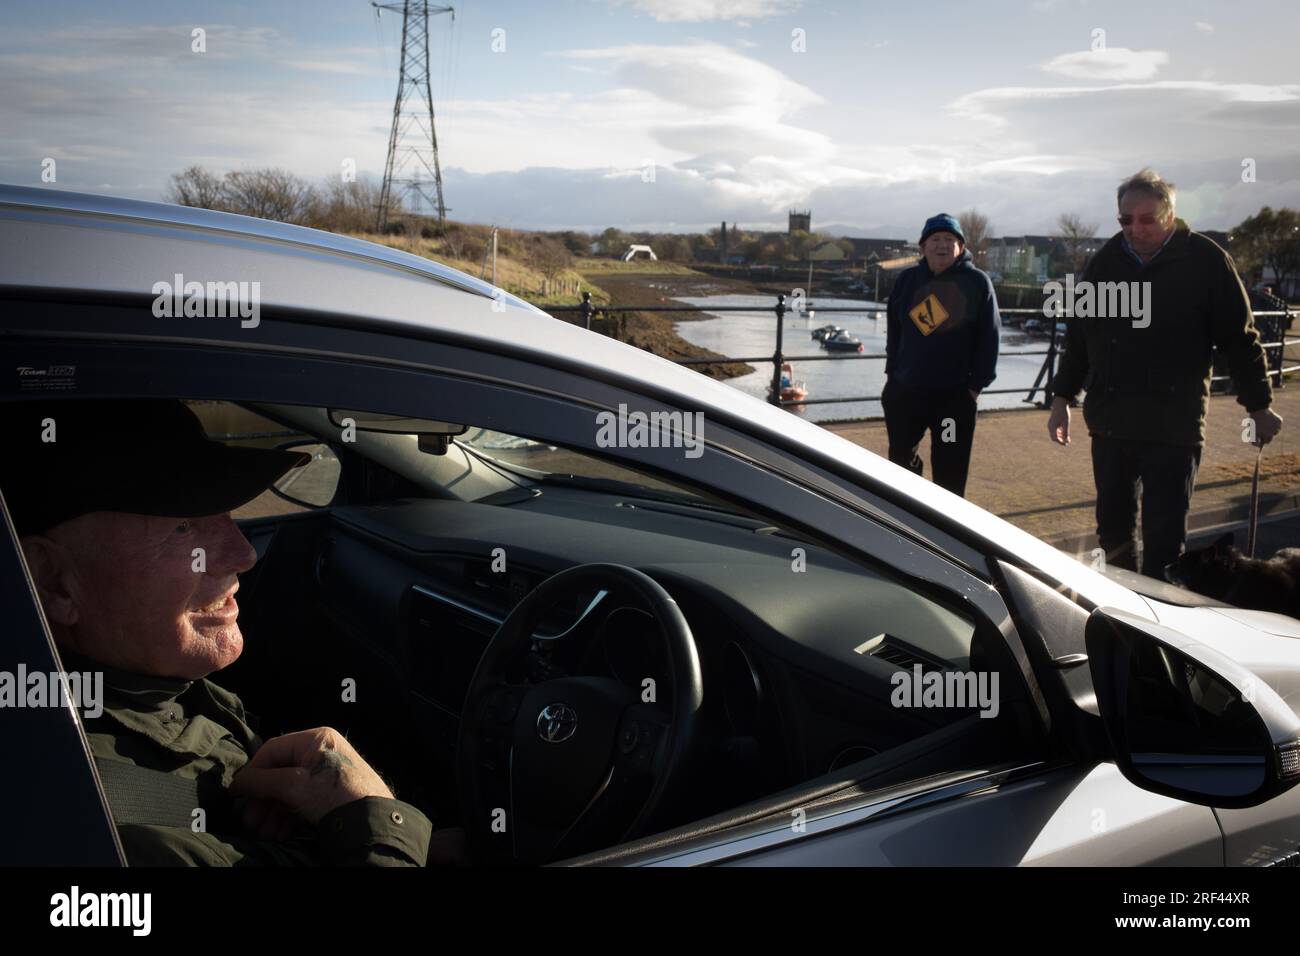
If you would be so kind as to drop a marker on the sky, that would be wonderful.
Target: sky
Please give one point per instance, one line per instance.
(673, 115)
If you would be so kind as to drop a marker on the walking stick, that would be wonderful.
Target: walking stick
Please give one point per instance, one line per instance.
(1254, 506)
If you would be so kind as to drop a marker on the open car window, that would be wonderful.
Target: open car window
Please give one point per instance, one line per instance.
(232, 424)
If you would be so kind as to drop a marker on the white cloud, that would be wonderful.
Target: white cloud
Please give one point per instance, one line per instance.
(1204, 27)
(708, 77)
(694, 11)
(984, 103)
(1044, 164)
(1112, 63)
(1194, 132)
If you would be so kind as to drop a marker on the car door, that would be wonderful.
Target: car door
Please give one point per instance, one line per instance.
(53, 811)
(1062, 816)
(410, 375)
(1071, 809)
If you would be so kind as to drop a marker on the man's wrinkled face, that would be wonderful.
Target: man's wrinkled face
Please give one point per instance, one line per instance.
(941, 250)
(145, 594)
(1142, 222)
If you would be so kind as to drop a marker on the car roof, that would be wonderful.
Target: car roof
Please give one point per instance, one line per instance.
(78, 243)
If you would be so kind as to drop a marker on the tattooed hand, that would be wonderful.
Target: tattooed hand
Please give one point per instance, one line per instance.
(331, 761)
(309, 773)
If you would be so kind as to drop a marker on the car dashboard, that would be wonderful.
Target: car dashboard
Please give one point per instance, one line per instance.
(797, 645)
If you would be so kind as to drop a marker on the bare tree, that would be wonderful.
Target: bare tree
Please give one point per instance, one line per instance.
(195, 186)
(268, 194)
(1077, 237)
(346, 207)
(976, 227)
(549, 256)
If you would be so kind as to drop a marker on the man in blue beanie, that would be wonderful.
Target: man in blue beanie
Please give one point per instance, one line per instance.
(941, 352)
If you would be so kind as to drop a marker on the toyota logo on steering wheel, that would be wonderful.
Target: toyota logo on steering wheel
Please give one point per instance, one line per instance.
(556, 723)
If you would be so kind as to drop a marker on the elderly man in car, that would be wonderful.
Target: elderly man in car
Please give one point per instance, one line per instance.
(123, 512)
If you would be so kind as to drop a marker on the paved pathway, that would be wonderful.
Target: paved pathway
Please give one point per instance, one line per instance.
(1017, 472)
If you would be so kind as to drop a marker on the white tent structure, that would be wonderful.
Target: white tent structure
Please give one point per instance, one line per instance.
(634, 249)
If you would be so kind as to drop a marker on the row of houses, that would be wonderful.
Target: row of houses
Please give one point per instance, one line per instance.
(1027, 259)
(1009, 258)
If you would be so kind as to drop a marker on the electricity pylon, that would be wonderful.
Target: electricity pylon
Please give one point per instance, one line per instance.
(412, 166)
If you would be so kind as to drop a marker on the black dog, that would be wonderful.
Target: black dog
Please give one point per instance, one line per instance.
(1223, 573)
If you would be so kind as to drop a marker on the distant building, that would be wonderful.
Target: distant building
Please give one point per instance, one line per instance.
(730, 239)
(1073, 255)
(870, 253)
(1021, 258)
(800, 221)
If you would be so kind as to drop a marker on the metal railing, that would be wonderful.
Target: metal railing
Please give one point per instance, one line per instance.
(587, 311)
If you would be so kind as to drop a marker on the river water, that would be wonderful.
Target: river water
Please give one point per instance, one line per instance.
(748, 334)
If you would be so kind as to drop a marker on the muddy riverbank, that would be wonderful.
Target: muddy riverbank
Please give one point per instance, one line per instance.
(653, 331)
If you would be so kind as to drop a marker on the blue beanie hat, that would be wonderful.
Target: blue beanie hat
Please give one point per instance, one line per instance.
(942, 223)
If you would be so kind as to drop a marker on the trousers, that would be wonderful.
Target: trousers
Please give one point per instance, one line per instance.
(1165, 476)
(949, 416)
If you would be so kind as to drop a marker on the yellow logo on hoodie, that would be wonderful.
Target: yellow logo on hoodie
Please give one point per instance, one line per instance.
(929, 315)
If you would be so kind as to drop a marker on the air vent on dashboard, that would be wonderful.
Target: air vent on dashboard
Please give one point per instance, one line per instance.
(886, 647)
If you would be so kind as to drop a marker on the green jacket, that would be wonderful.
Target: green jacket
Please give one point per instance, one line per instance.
(1153, 384)
(198, 731)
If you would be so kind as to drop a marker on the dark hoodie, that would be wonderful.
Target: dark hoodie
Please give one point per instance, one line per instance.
(959, 315)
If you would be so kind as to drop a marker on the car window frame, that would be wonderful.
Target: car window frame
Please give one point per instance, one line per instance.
(72, 802)
(481, 386)
(484, 379)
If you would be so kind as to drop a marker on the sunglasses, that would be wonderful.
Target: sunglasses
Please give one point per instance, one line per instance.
(1147, 220)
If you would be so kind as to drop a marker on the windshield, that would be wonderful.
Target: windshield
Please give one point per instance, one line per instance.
(542, 462)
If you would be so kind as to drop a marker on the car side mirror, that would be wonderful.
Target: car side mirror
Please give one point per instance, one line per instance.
(1186, 721)
(314, 484)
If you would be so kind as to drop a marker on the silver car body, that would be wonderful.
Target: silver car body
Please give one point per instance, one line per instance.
(61, 243)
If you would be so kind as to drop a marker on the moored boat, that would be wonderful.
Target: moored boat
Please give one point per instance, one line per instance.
(791, 391)
(841, 341)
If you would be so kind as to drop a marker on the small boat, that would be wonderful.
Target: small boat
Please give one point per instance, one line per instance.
(791, 391)
(825, 332)
(1032, 326)
(841, 341)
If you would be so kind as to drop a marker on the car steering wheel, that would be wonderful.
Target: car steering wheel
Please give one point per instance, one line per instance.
(569, 764)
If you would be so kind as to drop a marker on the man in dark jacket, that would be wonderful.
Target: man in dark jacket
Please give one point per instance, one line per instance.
(941, 352)
(1147, 372)
(122, 509)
